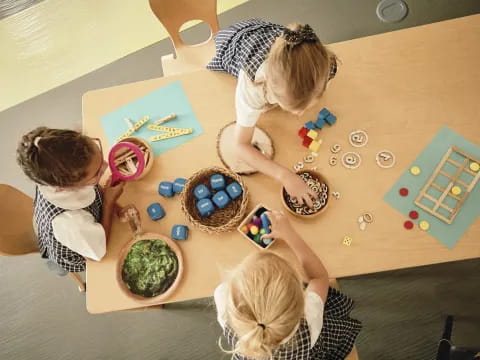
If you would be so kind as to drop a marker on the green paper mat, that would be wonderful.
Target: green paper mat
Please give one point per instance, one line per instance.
(166, 100)
(428, 160)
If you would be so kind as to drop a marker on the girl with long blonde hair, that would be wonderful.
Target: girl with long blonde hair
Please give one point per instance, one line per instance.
(267, 313)
(275, 65)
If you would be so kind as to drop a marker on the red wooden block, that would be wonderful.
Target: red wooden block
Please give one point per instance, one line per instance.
(403, 191)
(303, 132)
(307, 141)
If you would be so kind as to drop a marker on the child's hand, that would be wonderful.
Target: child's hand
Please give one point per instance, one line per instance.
(112, 193)
(281, 227)
(297, 188)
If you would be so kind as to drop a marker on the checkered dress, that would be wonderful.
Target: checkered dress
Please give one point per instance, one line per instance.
(244, 45)
(45, 212)
(336, 339)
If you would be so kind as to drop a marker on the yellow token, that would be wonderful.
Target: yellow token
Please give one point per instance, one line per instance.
(424, 225)
(474, 166)
(456, 190)
(415, 170)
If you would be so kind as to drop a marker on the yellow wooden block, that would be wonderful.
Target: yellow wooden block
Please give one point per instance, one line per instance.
(312, 134)
(314, 146)
(424, 225)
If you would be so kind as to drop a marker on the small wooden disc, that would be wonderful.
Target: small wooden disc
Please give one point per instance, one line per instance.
(226, 151)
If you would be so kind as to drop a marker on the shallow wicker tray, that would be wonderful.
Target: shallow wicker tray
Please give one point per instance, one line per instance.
(222, 220)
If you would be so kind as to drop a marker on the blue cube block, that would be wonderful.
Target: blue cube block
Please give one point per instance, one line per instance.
(234, 190)
(201, 192)
(331, 119)
(323, 113)
(221, 199)
(179, 232)
(320, 123)
(155, 211)
(178, 185)
(205, 207)
(217, 182)
(165, 189)
(310, 125)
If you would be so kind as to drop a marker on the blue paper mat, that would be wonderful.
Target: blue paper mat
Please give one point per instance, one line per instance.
(428, 160)
(157, 104)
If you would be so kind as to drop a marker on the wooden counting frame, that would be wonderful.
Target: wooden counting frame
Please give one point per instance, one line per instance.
(445, 192)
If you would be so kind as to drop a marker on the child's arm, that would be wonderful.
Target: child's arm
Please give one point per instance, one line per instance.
(293, 184)
(110, 197)
(314, 269)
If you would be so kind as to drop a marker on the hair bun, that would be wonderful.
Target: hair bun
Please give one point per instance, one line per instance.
(301, 34)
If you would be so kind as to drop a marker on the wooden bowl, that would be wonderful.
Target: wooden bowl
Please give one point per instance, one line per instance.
(317, 176)
(155, 300)
(151, 157)
(222, 220)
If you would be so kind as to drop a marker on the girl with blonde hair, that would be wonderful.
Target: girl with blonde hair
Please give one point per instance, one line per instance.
(275, 65)
(267, 313)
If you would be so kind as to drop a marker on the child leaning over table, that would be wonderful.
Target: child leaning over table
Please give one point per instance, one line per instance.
(266, 313)
(275, 65)
(72, 214)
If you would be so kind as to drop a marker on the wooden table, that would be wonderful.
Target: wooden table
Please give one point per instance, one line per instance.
(401, 87)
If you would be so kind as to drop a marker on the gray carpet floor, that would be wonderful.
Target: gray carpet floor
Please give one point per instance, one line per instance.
(44, 317)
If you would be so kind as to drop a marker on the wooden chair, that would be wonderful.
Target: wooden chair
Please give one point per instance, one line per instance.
(447, 351)
(354, 354)
(173, 14)
(17, 236)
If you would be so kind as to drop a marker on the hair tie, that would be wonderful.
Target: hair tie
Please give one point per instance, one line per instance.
(302, 34)
(36, 141)
(262, 326)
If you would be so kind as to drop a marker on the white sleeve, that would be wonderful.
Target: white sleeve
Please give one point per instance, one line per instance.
(220, 296)
(249, 101)
(78, 230)
(314, 315)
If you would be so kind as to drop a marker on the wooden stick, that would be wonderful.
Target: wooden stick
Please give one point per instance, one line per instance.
(165, 119)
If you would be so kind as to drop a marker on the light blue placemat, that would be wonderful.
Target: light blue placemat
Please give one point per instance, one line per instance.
(428, 160)
(157, 104)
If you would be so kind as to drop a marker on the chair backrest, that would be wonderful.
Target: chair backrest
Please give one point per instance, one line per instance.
(16, 228)
(174, 13)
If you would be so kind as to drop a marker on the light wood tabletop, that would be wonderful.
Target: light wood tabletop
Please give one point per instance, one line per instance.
(401, 87)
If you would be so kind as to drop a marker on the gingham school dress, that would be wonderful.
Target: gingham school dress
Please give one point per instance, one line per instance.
(50, 248)
(336, 339)
(245, 45)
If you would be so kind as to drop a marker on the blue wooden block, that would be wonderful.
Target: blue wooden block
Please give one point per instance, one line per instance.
(178, 185)
(179, 232)
(165, 189)
(234, 190)
(221, 199)
(205, 207)
(320, 123)
(265, 223)
(155, 211)
(331, 119)
(217, 182)
(310, 125)
(323, 113)
(201, 192)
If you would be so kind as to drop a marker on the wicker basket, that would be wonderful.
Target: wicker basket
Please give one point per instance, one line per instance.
(222, 220)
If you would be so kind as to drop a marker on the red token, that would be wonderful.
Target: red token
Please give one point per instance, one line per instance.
(408, 225)
(403, 191)
(413, 215)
